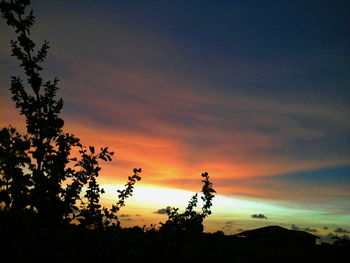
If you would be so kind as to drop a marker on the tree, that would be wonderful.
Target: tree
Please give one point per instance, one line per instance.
(190, 221)
(38, 171)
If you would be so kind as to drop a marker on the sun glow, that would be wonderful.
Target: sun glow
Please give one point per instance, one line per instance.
(152, 196)
(229, 213)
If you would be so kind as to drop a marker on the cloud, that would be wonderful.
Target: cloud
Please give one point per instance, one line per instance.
(124, 215)
(294, 227)
(329, 185)
(325, 228)
(307, 229)
(259, 216)
(162, 211)
(227, 225)
(341, 230)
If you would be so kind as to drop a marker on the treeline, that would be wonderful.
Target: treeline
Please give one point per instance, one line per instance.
(27, 241)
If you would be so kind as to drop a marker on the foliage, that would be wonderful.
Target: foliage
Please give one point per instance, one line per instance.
(190, 221)
(341, 241)
(37, 171)
(111, 215)
(14, 182)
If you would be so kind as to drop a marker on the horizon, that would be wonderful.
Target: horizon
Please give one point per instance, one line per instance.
(254, 94)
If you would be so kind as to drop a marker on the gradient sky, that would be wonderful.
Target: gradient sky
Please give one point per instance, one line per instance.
(254, 92)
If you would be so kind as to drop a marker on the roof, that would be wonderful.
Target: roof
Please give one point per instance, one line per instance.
(274, 231)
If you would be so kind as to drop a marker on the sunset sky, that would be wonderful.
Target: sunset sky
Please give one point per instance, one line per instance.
(256, 93)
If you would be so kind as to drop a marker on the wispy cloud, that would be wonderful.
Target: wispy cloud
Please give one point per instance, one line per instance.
(307, 229)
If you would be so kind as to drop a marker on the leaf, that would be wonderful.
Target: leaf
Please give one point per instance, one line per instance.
(92, 149)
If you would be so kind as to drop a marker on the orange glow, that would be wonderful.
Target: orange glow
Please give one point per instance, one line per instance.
(167, 160)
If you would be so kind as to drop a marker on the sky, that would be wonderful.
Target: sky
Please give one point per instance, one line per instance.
(256, 93)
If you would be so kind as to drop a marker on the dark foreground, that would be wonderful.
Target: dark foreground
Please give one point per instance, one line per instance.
(25, 240)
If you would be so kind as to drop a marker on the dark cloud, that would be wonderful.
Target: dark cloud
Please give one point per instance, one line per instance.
(162, 211)
(124, 215)
(332, 183)
(259, 216)
(307, 229)
(341, 230)
(137, 215)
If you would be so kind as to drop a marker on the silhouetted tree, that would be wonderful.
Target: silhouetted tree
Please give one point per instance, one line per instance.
(190, 221)
(14, 182)
(110, 215)
(37, 171)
